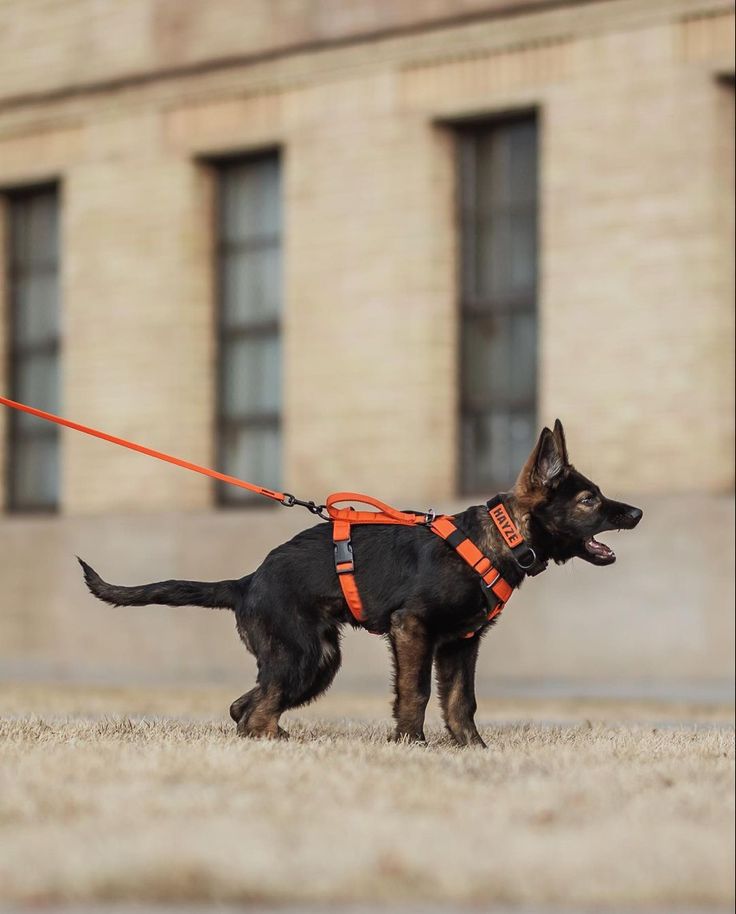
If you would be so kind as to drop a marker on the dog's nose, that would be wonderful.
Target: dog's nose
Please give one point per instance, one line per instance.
(634, 515)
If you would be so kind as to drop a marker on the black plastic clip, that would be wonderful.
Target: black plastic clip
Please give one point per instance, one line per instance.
(344, 563)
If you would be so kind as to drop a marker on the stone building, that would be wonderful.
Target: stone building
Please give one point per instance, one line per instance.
(372, 246)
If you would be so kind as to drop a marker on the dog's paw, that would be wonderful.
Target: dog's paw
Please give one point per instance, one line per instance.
(269, 733)
(466, 736)
(414, 738)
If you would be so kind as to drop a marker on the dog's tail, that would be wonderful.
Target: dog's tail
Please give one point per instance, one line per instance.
(214, 595)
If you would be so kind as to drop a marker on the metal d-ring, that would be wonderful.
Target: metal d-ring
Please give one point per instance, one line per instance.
(532, 563)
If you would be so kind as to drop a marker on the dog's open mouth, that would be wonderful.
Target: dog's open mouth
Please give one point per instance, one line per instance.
(598, 553)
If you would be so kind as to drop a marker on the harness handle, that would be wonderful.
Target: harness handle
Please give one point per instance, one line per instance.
(384, 514)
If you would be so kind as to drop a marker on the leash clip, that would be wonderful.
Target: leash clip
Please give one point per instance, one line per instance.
(430, 516)
(290, 500)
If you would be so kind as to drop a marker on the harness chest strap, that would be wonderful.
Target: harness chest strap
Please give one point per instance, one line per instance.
(442, 526)
(491, 578)
(345, 567)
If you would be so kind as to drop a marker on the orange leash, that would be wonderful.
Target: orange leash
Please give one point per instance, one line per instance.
(159, 455)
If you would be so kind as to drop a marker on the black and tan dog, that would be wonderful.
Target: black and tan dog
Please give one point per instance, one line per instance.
(415, 590)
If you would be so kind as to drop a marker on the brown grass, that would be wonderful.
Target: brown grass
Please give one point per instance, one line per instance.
(112, 808)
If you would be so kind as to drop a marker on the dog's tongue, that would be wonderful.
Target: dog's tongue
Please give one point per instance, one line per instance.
(600, 549)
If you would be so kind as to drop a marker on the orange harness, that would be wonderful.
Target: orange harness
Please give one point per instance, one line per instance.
(343, 518)
(443, 526)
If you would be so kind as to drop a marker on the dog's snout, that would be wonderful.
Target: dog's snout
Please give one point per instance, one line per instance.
(623, 517)
(633, 516)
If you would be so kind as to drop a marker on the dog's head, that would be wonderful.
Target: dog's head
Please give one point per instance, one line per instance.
(565, 511)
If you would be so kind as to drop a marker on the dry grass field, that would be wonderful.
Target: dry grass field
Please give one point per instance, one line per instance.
(103, 798)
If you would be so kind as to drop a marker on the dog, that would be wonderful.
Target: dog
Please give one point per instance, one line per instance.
(416, 591)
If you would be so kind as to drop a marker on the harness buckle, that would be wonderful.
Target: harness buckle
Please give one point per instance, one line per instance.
(430, 516)
(344, 563)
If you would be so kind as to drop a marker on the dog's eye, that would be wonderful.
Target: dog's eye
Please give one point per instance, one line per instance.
(588, 500)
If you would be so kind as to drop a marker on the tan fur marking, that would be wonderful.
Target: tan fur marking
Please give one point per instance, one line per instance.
(413, 659)
(263, 719)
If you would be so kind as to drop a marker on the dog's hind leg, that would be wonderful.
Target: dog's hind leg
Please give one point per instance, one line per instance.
(289, 676)
(412, 651)
(455, 669)
(323, 672)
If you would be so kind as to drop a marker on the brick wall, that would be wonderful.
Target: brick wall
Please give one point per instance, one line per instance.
(52, 45)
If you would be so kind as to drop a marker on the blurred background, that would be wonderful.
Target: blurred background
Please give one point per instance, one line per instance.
(375, 246)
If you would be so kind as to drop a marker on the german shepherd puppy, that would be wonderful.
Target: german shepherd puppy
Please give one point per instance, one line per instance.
(416, 591)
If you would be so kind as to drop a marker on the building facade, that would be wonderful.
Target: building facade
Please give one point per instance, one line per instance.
(353, 245)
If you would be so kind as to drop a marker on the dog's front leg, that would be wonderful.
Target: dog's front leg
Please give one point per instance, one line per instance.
(455, 669)
(412, 650)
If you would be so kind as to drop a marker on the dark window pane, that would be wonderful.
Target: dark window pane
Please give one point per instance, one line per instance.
(523, 345)
(499, 361)
(506, 257)
(498, 194)
(495, 445)
(493, 441)
(251, 376)
(250, 200)
(486, 362)
(34, 230)
(35, 471)
(522, 163)
(506, 163)
(251, 286)
(36, 380)
(522, 438)
(36, 306)
(252, 454)
(521, 228)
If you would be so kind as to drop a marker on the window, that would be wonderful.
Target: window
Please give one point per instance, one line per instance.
(249, 356)
(33, 352)
(498, 337)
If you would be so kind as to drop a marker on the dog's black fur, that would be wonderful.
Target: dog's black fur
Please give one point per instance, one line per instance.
(414, 588)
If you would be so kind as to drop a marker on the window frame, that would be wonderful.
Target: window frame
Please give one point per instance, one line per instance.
(472, 308)
(271, 328)
(16, 352)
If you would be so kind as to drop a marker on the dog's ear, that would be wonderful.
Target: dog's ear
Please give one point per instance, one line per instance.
(544, 464)
(550, 461)
(559, 433)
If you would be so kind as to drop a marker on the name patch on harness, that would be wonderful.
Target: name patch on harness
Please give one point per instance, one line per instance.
(506, 527)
